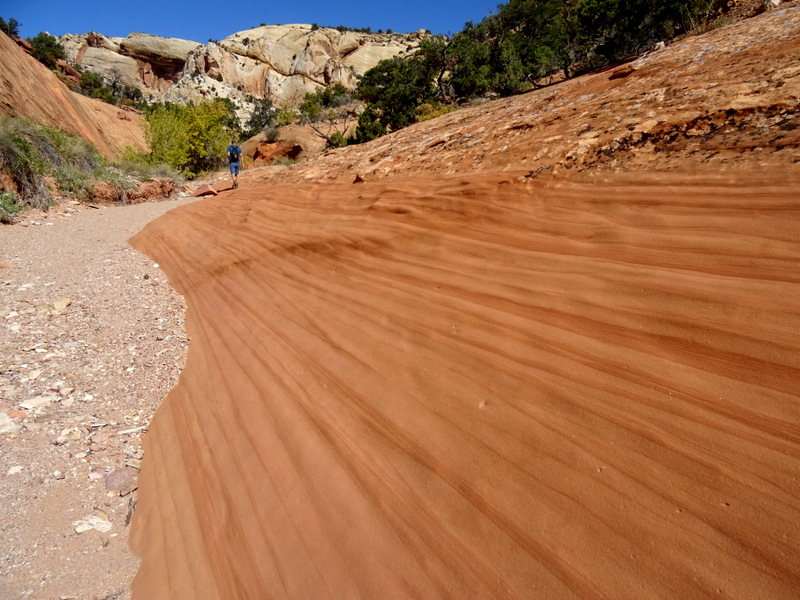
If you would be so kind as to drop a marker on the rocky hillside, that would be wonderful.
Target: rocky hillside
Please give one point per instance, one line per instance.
(29, 90)
(281, 62)
(721, 101)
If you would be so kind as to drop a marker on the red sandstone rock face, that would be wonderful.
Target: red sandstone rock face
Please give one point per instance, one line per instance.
(114, 192)
(547, 347)
(267, 153)
(30, 90)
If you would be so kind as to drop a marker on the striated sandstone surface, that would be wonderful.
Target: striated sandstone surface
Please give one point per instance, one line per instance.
(546, 347)
(29, 90)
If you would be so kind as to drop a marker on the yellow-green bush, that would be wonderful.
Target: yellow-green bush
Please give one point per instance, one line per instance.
(191, 138)
(431, 110)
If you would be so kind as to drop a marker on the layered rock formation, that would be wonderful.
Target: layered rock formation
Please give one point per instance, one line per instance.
(29, 90)
(281, 63)
(545, 348)
(148, 62)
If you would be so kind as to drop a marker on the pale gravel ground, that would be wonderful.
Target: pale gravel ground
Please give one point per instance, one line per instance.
(102, 365)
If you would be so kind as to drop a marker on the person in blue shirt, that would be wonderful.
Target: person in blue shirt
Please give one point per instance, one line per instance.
(234, 158)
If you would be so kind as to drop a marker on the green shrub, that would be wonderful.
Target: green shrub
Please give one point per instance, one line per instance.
(394, 88)
(75, 151)
(10, 27)
(286, 115)
(337, 140)
(263, 117)
(22, 162)
(316, 105)
(46, 50)
(369, 126)
(9, 207)
(271, 134)
(30, 152)
(74, 181)
(191, 138)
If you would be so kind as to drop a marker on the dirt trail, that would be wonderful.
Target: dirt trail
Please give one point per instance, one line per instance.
(91, 339)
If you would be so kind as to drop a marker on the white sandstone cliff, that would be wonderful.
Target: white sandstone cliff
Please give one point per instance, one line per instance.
(279, 62)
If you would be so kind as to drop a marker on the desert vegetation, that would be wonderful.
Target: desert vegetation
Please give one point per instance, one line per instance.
(514, 49)
(510, 51)
(112, 90)
(191, 138)
(41, 161)
(10, 27)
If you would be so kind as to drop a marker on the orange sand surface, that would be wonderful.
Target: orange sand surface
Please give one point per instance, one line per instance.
(481, 386)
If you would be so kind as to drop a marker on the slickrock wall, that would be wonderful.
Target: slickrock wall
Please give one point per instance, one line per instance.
(467, 388)
(489, 372)
(29, 90)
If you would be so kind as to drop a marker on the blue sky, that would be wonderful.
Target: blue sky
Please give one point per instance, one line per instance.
(201, 20)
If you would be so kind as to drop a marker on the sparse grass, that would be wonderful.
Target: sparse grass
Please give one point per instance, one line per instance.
(8, 207)
(431, 110)
(704, 26)
(284, 160)
(30, 153)
(271, 134)
(139, 165)
(22, 160)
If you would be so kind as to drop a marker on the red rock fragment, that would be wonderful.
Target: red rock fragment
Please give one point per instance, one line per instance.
(622, 72)
(205, 190)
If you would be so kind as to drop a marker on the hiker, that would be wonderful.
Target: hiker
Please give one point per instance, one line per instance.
(234, 156)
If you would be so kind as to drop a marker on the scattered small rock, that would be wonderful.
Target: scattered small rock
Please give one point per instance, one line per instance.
(92, 522)
(61, 304)
(34, 403)
(101, 437)
(7, 425)
(122, 480)
(205, 190)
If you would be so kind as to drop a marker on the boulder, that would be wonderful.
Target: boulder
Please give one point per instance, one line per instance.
(267, 153)
(68, 69)
(205, 190)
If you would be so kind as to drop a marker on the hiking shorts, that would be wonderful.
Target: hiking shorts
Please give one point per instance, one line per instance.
(234, 168)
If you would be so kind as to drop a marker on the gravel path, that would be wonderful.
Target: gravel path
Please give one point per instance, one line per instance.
(91, 340)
